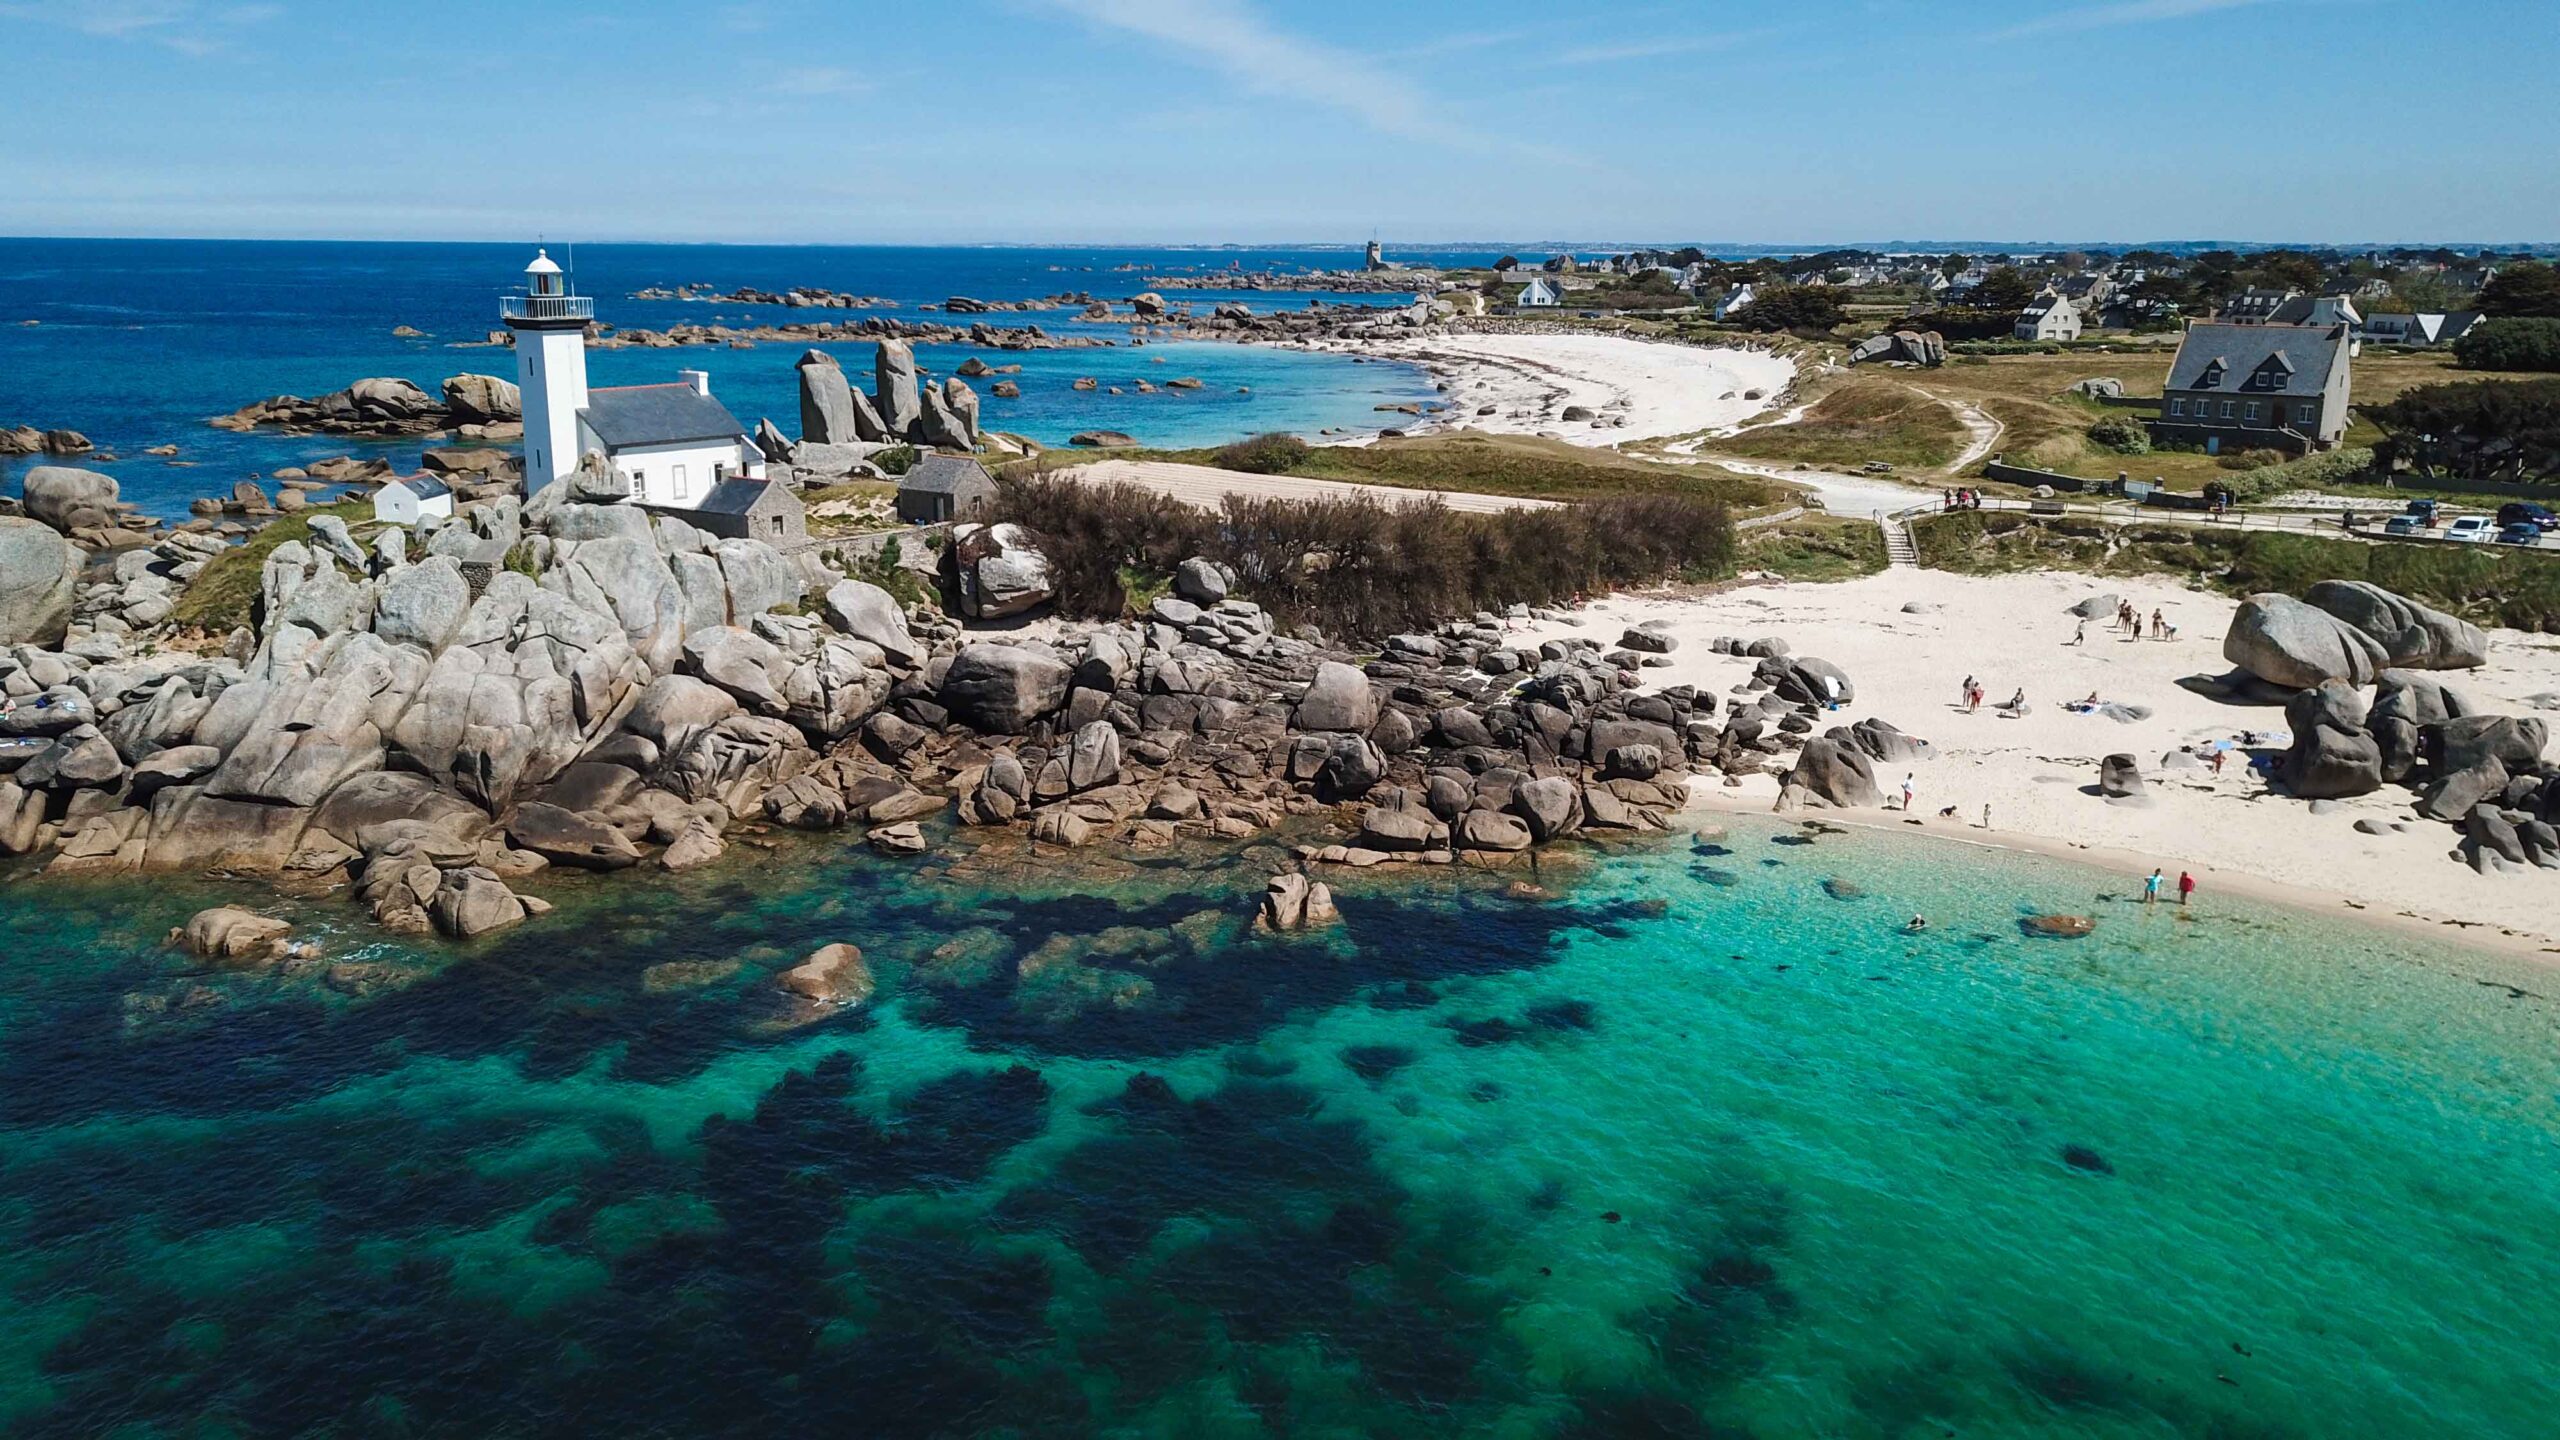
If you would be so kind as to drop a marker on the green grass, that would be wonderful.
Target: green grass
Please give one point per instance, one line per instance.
(1861, 420)
(224, 593)
(2477, 582)
(1519, 465)
(1814, 549)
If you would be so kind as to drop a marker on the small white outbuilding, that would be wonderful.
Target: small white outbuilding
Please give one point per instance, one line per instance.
(406, 502)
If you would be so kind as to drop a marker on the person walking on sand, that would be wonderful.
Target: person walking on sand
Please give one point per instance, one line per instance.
(2186, 887)
(2137, 626)
(2080, 636)
(1906, 794)
(2157, 624)
(1986, 814)
(2151, 888)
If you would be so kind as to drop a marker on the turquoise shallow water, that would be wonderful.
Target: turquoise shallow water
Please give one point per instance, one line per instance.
(1697, 1144)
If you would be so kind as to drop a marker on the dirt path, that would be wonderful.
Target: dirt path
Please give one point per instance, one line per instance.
(1981, 428)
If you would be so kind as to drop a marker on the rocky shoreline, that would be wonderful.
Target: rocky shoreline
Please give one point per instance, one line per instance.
(426, 733)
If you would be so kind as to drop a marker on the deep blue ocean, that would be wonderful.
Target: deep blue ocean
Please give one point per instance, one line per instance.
(136, 343)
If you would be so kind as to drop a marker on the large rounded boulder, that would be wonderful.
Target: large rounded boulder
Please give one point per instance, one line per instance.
(39, 578)
(1001, 689)
(69, 499)
(2293, 643)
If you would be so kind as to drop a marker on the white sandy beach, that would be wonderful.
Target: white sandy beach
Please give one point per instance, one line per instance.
(1529, 380)
(2038, 773)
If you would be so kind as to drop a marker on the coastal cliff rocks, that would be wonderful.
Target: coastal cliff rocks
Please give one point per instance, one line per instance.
(39, 579)
(1829, 773)
(482, 400)
(2120, 778)
(1901, 347)
(999, 572)
(72, 500)
(2334, 755)
(227, 932)
(386, 407)
(2346, 630)
(893, 370)
(2406, 702)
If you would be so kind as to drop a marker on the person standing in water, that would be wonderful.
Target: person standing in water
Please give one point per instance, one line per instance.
(2151, 888)
(2186, 887)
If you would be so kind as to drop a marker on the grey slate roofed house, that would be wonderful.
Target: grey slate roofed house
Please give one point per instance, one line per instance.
(940, 488)
(2255, 304)
(625, 416)
(2257, 386)
(745, 510)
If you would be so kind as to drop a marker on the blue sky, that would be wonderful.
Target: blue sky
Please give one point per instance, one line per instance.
(1278, 120)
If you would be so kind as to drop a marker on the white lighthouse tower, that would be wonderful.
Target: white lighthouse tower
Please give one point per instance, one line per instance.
(551, 369)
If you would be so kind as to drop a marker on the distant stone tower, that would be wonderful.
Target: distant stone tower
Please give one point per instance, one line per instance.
(1376, 258)
(551, 368)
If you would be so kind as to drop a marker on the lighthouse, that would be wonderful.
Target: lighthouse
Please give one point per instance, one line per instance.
(550, 325)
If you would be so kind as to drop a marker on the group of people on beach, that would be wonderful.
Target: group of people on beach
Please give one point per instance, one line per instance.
(2129, 620)
(1961, 499)
(1974, 695)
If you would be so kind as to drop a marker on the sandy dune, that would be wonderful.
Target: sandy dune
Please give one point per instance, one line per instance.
(2036, 773)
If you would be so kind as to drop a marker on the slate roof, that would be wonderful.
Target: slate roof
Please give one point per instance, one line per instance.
(943, 475)
(425, 487)
(734, 497)
(2305, 356)
(627, 415)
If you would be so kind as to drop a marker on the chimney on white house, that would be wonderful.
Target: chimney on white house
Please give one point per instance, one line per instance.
(700, 380)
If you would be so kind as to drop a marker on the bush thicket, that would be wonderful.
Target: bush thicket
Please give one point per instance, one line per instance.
(1358, 569)
(2122, 434)
(2526, 344)
(1273, 454)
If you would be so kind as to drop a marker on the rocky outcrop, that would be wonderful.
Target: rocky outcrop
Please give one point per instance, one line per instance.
(2334, 755)
(39, 579)
(1004, 688)
(831, 975)
(229, 933)
(70, 499)
(482, 400)
(2345, 630)
(1829, 773)
(1901, 347)
(999, 572)
(894, 387)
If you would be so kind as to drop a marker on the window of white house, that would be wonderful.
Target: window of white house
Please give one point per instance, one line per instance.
(2252, 412)
(684, 491)
(639, 481)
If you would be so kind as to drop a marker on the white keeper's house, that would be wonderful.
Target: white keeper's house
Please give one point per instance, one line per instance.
(673, 446)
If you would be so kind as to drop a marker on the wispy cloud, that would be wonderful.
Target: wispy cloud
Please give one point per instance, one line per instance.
(181, 25)
(1649, 49)
(2129, 12)
(1231, 38)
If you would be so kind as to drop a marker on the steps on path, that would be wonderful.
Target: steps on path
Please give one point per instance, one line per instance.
(1899, 552)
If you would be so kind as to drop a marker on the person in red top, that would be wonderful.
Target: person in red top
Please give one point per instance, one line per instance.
(2186, 886)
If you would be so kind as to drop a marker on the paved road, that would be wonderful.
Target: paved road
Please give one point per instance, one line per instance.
(1207, 486)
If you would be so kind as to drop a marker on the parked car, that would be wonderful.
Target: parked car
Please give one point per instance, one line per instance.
(2404, 525)
(2525, 512)
(2424, 512)
(2523, 532)
(2476, 528)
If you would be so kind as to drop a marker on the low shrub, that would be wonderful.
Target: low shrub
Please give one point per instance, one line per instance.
(1272, 454)
(2258, 459)
(2122, 434)
(1359, 569)
(896, 460)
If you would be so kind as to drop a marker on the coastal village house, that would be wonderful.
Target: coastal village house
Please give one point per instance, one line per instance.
(2417, 332)
(1539, 293)
(2049, 317)
(2254, 305)
(1732, 301)
(670, 448)
(941, 488)
(406, 502)
(2256, 386)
